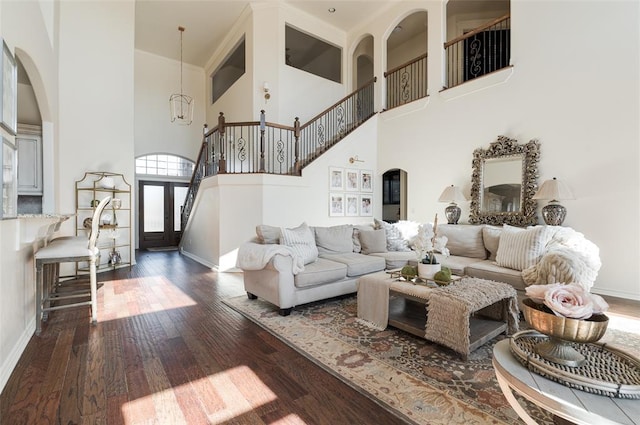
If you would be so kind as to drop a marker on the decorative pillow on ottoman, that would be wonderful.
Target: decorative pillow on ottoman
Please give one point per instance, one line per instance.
(520, 248)
(302, 241)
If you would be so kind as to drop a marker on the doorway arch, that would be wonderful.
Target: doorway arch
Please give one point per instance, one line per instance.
(394, 195)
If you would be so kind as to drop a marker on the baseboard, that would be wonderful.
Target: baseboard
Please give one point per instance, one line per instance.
(198, 259)
(617, 294)
(14, 356)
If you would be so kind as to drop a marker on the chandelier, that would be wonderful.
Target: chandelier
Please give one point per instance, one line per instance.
(181, 105)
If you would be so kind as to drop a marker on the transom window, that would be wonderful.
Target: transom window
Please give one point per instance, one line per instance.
(164, 165)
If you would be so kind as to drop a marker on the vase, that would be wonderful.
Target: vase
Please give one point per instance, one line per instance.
(562, 331)
(426, 271)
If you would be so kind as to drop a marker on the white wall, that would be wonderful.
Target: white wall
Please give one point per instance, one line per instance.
(96, 94)
(585, 117)
(157, 78)
(36, 48)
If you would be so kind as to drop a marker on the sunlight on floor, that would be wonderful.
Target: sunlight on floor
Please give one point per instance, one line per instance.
(131, 297)
(223, 396)
(624, 323)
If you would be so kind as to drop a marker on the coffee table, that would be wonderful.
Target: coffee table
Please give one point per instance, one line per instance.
(407, 310)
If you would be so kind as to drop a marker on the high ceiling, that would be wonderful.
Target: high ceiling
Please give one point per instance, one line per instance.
(207, 22)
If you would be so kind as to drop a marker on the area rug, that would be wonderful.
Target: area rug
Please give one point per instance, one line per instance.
(421, 382)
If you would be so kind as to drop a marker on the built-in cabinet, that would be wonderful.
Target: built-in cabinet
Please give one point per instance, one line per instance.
(29, 145)
(114, 240)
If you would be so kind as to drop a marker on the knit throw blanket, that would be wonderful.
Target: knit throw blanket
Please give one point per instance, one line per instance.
(568, 257)
(449, 310)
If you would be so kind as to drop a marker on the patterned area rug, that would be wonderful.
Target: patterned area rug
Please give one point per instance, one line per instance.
(420, 381)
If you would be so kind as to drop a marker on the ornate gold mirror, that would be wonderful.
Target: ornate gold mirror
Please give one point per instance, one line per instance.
(504, 180)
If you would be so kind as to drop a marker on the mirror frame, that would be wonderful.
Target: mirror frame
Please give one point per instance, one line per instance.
(505, 147)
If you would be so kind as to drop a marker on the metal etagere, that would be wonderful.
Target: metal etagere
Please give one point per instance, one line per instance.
(114, 240)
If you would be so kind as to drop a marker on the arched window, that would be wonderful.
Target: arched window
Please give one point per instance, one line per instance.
(164, 165)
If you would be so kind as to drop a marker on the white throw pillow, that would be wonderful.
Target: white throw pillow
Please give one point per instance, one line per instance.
(395, 241)
(520, 248)
(302, 241)
(463, 240)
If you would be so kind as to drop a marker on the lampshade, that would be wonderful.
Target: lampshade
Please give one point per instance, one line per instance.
(553, 190)
(451, 194)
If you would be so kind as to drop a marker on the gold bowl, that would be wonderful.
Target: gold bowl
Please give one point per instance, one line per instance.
(561, 330)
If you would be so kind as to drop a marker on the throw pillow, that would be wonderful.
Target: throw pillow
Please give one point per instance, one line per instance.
(463, 240)
(356, 235)
(395, 242)
(335, 239)
(302, 241)
(373, 241)
(491, 237)
(268, 234)
(519, 248)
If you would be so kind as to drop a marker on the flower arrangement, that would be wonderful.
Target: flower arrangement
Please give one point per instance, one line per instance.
(570, 300)
(425, 243)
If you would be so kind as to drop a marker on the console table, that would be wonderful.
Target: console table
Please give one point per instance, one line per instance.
(576, 406)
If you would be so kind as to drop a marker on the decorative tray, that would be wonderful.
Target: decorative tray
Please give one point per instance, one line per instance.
(607, 370)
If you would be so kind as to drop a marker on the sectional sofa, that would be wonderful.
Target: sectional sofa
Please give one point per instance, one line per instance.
(289, 267)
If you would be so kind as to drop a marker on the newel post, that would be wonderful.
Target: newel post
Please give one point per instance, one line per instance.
(208, 151)
(296, 135)
(222, 163)
(262, 128)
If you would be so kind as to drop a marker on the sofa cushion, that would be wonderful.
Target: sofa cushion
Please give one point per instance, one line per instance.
(268, 234)
(302, 241)
(357, 264)
(395, 241)
(491, 238)
(457, 264)
(320, 272)
(334, 239)
(396, 259)
(373, 241)
(522, 248)
(463, 240)
(489, 270)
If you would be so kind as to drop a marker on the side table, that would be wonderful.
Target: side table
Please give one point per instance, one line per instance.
(576, 406)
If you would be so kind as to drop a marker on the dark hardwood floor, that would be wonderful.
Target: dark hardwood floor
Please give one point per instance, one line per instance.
(166, 350)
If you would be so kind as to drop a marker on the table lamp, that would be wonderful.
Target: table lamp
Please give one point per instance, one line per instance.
(554, 190)
(452, 194)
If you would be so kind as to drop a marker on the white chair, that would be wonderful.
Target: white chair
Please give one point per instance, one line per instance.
(63, 250)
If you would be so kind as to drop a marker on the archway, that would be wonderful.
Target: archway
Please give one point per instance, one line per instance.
(362, 60)
(394, 195)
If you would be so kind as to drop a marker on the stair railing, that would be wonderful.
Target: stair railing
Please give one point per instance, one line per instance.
(479, 52)
(407, 82)
(265, 147)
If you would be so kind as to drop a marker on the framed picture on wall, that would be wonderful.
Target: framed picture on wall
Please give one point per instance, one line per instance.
(336, 204)
(336, 178)
(366, 205)
(352, 180)
(351, 209)
(366, 181)
(9, 89)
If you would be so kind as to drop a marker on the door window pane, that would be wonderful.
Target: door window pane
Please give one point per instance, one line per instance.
(153, 208)
(179, 195)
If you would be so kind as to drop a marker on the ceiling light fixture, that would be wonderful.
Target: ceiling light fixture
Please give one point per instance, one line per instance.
(181, 105)
(332, 10)
(398, 28)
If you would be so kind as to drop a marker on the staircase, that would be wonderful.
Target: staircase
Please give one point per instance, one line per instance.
(264, 147)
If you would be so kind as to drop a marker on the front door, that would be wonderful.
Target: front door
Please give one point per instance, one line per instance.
(160, 205)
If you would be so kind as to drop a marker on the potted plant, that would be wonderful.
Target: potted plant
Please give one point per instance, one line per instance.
(425, 244)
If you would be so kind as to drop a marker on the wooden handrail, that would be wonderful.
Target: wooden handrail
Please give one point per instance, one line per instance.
(373, 80)
(210, 132)
(477, 30)
(412, 61)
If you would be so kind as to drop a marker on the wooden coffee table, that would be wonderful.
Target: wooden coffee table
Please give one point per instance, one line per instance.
(409, 313)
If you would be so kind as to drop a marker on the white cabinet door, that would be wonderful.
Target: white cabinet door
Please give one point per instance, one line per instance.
(29, 164)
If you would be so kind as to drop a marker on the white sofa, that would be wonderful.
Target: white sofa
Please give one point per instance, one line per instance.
(316, 263)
